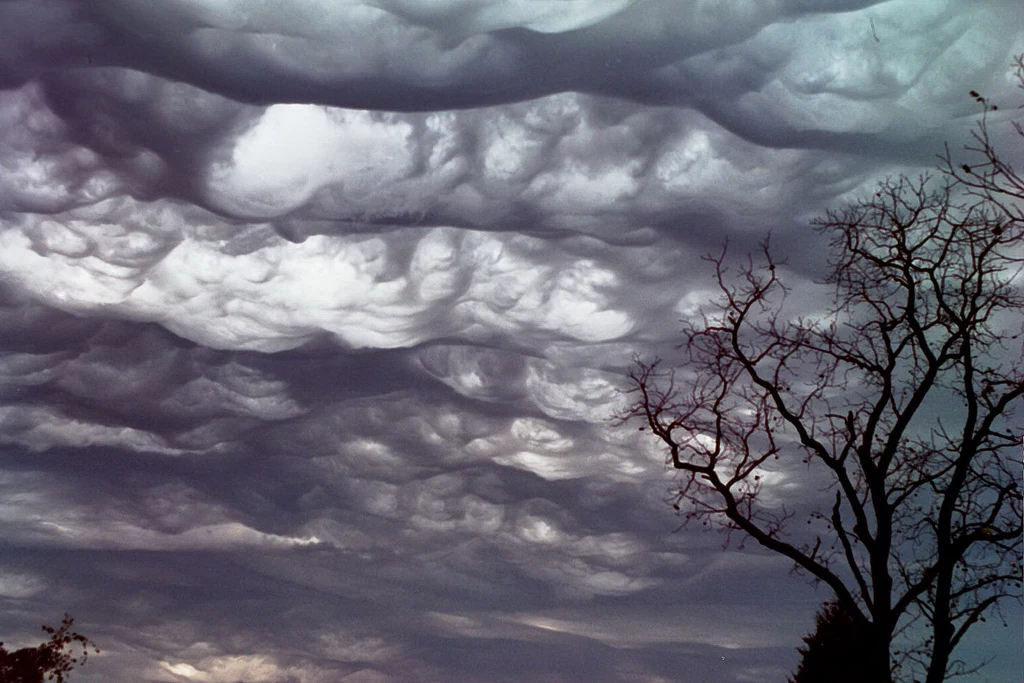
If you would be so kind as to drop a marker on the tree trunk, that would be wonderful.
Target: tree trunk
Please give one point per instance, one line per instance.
(942, 633)
(879, 661)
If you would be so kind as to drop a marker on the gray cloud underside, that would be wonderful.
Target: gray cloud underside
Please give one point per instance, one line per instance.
(314, 316)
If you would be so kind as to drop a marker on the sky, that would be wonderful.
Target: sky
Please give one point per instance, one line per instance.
(314, 316)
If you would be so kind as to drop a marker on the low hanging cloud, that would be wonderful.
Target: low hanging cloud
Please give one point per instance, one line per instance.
(314, 317)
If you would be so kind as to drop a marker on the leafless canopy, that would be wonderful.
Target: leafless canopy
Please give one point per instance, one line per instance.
(903, 402)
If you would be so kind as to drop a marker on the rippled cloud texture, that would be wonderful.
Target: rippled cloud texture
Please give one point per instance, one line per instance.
(313, 315)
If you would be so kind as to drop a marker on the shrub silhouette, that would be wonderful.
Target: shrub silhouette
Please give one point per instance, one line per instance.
(834, 653)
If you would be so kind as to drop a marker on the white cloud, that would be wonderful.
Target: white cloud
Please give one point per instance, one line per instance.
(230, 668)
(295, 150)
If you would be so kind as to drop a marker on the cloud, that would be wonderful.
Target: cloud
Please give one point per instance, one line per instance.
(388, 290)
(294, 150)
(502, 375)
(228, 668)
(463, 54)
(16, 585)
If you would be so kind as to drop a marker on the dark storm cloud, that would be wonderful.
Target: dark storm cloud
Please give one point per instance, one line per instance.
(296, 392)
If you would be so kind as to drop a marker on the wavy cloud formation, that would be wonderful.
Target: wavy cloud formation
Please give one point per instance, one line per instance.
(314, 316)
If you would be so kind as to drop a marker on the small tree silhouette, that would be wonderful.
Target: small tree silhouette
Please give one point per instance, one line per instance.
(834, 653)
(50, 661)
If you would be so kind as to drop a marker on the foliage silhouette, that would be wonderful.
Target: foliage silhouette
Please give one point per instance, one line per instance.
(49, 661)
(834, 653)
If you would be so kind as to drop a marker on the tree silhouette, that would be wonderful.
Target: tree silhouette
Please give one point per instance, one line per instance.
(50, 661)
(834, 653)
(901, 402)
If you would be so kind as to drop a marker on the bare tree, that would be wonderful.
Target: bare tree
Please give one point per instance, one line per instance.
(900, 403)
